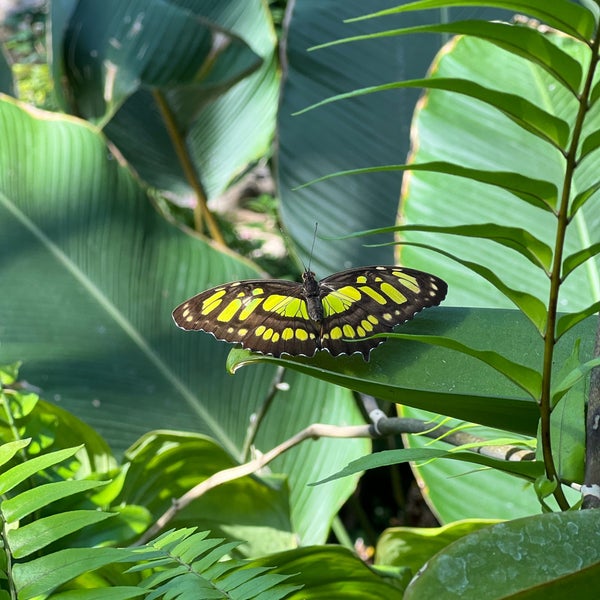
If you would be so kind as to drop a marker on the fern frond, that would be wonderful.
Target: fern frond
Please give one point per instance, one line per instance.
(190, 565)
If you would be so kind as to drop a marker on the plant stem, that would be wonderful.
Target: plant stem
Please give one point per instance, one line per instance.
(201, 212)
(556, 279)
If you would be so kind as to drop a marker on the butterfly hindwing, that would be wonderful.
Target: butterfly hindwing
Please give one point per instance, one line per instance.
(272, 316)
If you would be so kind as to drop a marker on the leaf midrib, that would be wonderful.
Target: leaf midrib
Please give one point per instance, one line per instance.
(121, 320)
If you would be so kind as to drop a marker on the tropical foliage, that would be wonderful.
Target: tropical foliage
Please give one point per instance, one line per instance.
(105, 211)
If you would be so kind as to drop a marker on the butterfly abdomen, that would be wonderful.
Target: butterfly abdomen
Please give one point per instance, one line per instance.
(312, 292)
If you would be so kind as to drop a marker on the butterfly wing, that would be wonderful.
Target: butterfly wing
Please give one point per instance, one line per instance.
(268, 316)
(359, 303)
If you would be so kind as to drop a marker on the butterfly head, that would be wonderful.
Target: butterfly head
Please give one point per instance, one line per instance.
(308, 276)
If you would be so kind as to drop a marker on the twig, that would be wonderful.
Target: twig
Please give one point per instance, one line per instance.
(384, 426)
(590, 489)
(313, 431)
(381, 426)
(256, 418)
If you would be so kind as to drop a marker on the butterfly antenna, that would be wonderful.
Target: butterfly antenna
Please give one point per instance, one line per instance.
(312, 248)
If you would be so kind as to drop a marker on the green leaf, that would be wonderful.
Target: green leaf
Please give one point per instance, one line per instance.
(9, 450)
(378, 133)
(522, 112)
(523, 545)
(330, 572)
(458, 130)
(521, 40)
(563, 15)
(412, 547)
(117, 592)
(541, 194)
(385, 458)
(439, 379)
(38, 534)
(210, 124)
(19, 473)
(9, 373)
(29, 501)
(518, 239)
(476, 133)
(568, 434)
(42, 575)
(568, 380)
(526, 378)
(533, 308)
(164, 465)
(571, 262)
(195, 57)
(565, 322)
(582, 197)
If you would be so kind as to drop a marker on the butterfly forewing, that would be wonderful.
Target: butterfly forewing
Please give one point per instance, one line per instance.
(268, 316)
(272, 316)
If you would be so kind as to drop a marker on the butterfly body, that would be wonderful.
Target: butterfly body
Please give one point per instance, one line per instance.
(337, 314)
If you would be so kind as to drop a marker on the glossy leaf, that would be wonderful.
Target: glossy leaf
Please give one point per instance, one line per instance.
(442, 380)
(564, 543)
(526, 378)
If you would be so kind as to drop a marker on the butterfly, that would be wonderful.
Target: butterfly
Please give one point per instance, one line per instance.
(337, 314)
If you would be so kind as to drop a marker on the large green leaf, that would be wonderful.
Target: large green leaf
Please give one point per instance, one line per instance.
(179, 85)
(466, 139)
(451, 128)
(91, 273)
(412, 547)
(511, 554)
(441, 379)
(366, 131)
